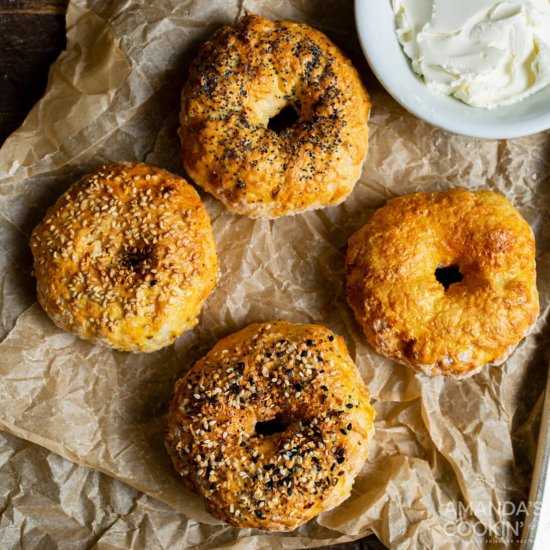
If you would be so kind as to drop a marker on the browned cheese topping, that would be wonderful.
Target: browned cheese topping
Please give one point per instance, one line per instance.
(444, 282)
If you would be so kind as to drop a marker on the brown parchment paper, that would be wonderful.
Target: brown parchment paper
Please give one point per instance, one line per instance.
(114, 95)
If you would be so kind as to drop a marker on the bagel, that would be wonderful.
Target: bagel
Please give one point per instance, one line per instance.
(241, 79)
(125, 258)
(272, 425)
(396, 266)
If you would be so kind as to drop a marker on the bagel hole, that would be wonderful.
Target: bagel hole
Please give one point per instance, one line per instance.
(283, 120)
(448, 275)
(271, 427)
(132, 258)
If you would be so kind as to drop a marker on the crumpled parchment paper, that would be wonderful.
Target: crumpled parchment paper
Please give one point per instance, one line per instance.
(114, 95)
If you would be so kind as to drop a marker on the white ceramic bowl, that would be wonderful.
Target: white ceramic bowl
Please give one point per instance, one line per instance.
(376, 28)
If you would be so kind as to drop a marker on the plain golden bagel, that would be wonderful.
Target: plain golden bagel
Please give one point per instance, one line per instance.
(125, 258)
(444, 282)
(272, 425)
(242, 78)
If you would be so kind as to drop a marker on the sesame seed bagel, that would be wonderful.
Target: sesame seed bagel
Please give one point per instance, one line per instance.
(444, 282)
(244, 76)
(125, 258)
(272, 425)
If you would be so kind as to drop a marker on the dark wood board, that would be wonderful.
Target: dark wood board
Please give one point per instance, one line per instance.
(32, 33)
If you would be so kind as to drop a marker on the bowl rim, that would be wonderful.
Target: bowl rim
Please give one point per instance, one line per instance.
(394, 85)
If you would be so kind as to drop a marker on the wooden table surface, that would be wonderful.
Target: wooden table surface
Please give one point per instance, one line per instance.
(32, 34)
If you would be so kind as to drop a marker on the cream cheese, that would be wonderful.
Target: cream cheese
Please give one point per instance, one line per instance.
(485, 52)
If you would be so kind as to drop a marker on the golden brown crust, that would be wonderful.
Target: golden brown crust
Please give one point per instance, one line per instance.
(125, 258)
(301, 375)
(243, 76)
(407, 315)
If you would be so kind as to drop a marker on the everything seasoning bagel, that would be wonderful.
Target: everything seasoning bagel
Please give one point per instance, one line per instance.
(243, 77)
(272, 425)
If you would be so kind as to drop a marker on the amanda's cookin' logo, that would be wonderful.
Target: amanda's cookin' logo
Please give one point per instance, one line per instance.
(505, 530)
